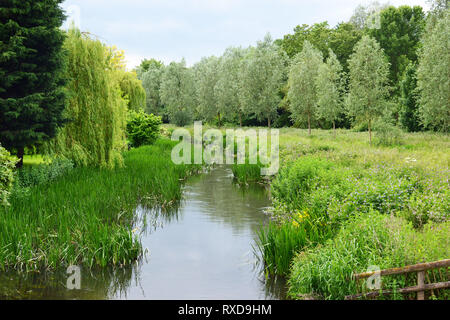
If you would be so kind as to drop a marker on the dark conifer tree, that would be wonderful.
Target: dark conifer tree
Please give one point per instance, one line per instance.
(31, 72)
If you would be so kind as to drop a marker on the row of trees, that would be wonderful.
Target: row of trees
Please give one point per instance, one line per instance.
(318, 76)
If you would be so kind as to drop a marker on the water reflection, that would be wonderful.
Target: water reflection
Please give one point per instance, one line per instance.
(200, 250)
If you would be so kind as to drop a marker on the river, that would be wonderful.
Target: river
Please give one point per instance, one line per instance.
(201, 250)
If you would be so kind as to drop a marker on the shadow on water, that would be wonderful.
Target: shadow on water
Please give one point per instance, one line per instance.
(202, 249)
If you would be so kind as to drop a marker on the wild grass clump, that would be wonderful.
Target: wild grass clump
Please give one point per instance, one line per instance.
(368, 240)
(86, 216)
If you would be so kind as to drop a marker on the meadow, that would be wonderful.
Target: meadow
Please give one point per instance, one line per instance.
(341, 205)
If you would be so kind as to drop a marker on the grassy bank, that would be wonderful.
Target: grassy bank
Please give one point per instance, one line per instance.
(341, 205)
(86, 215)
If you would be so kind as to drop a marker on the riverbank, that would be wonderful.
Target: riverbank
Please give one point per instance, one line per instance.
(85, 216)
(341, 206)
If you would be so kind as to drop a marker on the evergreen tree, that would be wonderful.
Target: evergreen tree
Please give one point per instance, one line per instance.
(32, 97)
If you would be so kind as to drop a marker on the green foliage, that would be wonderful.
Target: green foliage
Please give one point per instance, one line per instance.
(409, 115)
(132, 90)
(302, 93)
(399, 36)
(6, 175)
(330, 90)
(177, 93)
(151, 81)
(262, 75)
(86, 216)
(368, 88)
(387, 134)
(228, 84)
(206, 77)
(433, 75)
(142, 128)
(32, 97)
(367, 240)
(42, 174)
(96, 134)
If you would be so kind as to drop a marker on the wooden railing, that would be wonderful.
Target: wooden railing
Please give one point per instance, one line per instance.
(421, 287)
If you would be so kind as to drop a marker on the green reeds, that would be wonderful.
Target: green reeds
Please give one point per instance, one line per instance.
(86, 216)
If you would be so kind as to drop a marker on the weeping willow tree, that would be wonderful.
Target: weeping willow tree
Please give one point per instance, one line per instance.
(132, 90)
(95, 135)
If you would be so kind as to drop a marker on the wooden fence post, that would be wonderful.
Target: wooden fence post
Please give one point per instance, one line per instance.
(421, 284)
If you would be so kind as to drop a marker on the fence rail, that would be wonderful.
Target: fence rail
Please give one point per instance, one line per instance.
(421, 287)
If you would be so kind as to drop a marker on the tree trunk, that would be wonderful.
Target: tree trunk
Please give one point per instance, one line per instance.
(334, 128)
(370, 131)
(268, 122)
(309, 124)
(240, 119)
(219, 119)
(20, 154)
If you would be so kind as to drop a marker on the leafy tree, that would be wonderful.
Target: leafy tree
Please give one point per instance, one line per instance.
(342, 41)
(319, 35)
(409, 115)
(262, 74)
(96, 134)
(142, 128)
(151, 81)
(206, 76)
(330, 89)
(228, 83)
(178, 93)
(399, 35)
(32, 96)
(302, 94)
(369, 72)
(433, 75)
(132, 90)
(148, 64)
(364, 16)
(6, 175)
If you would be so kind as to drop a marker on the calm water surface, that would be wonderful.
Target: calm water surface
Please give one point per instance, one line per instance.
(203, 250)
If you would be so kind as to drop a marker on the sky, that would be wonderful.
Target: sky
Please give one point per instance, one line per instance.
(169, 30)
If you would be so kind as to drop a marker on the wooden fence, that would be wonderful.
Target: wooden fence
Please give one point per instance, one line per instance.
(421, 287)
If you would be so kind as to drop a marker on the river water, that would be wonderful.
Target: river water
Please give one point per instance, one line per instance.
(201, 250)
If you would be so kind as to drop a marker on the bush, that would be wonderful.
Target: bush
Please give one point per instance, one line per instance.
(142, 128)
(6, 175)
(366, 240)
(387, 134)
(43, 173)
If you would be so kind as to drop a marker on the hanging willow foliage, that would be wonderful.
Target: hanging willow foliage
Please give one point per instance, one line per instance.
(96, 134)
(132, 91)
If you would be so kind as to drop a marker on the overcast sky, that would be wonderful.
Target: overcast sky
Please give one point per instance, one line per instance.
(169, 30)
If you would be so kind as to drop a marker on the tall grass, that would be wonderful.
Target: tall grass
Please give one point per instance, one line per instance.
(86, 216)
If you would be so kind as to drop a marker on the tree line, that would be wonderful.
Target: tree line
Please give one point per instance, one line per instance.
(68, 93)
(387, 63)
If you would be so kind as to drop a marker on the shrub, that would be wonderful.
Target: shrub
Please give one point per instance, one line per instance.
(43, 173)
(142, 128)
(387, 134)
(7, 166)
(366, 240)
